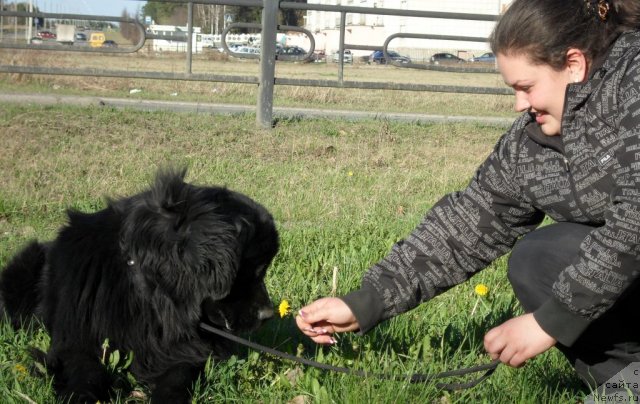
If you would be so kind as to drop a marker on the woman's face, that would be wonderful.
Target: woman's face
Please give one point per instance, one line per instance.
(539, 88)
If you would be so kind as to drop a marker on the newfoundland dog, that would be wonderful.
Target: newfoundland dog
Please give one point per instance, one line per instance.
(143, 273)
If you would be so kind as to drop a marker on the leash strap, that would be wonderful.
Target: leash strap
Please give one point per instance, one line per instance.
(487, 368)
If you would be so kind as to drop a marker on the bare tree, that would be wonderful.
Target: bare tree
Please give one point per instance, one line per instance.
(128, 30)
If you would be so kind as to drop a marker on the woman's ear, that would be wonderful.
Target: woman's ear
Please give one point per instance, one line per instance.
(577, 65)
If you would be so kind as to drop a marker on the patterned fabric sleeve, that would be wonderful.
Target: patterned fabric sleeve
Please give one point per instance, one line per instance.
(462, 233)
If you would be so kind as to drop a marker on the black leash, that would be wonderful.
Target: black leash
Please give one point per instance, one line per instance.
(488, 368)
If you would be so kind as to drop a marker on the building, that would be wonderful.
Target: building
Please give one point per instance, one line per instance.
(373, 30)
(174, 38)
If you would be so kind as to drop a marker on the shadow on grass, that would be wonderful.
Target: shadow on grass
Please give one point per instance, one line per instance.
(459, 344)
(456, 340)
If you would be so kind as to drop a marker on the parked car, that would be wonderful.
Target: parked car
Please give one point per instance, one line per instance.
(445, 58)
(291, 50)
(46, 35)
(232, 47)
(378, 57)
(488, 57)
(80, 36)
(347, 58)
(109, 44)
(248, 50)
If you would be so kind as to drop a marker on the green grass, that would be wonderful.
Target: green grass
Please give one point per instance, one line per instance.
(341, 192)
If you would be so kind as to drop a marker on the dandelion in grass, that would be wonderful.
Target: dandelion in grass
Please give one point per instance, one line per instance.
(350, 174)
(482, 291)
(284, 308)
(20, 368)
(21, 371)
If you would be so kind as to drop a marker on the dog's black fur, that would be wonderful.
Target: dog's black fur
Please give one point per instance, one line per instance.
(144, 272)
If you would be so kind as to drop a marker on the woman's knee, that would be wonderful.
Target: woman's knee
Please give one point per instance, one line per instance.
(522, 265)
(545, 252)
(522, 276)
(539, 257)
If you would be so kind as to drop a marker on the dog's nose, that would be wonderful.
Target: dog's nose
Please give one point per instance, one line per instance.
(265, 313)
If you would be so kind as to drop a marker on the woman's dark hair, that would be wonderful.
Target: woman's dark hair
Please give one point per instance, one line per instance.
(545, 29)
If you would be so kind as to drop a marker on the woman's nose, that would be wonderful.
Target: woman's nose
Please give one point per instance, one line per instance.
(522, 102)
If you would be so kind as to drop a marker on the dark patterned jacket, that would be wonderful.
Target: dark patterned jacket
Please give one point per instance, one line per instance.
(589, 174)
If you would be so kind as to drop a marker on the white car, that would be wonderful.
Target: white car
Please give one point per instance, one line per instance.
(232, 47)
(347, 58)
(246, 50)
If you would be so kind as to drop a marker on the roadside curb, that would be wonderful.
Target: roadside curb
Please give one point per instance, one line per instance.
(235, 109)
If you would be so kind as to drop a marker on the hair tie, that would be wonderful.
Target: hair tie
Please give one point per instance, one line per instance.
(603, 10)
(600, 8)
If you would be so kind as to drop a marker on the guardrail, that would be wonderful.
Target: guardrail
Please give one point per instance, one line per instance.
(269, 28)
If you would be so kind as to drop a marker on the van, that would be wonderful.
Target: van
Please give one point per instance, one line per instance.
(96, 39)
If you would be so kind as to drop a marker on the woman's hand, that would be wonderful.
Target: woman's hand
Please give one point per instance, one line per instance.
(517, 340)
(324, 317)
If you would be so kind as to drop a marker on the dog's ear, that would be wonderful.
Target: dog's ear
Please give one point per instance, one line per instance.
(259, 237)
(163, 212)
(245, 230)
(169, 188)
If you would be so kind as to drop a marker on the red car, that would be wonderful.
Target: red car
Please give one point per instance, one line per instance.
(46, 35)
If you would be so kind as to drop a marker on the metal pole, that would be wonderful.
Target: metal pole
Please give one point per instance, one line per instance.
(264, 116)
(343, 21)
(1, 21)
(15, 22)
(30, 22)
(189, 35)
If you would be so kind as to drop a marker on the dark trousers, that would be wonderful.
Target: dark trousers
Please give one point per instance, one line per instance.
(611, 342)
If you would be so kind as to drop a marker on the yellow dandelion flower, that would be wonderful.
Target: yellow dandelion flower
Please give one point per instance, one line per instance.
(284, 308)
(481, 289)
(20, 369)
(350, 173)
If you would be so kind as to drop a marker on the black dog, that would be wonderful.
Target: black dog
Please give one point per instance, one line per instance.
(143, 273)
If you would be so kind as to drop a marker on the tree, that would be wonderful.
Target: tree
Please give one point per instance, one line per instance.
(209, 17)
(166, 13)
(248, 14)
(129, 30)
(293, 17)
(22, 7)
(212, 16)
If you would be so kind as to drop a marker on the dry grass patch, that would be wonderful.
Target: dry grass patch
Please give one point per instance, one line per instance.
(221, 92)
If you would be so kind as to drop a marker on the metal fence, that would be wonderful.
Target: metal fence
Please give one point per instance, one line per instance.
(268, 55)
